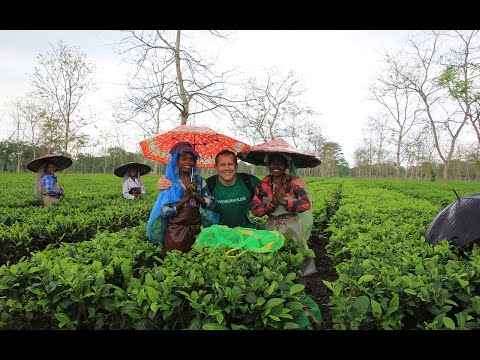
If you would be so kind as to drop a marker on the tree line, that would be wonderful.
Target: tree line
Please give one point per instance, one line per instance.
(427, 93)
(333, 164)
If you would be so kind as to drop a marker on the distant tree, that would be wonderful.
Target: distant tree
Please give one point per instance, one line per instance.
(343, 167)
(63, 78)
(11, 160)
(7, 153)
(333, 160)
(367, 154)
(362, 161)
(32, 113)
(272, 109)
(401, 107)
(105, 144)
(116, 156)
(18, 132)
(314, 137)
(32, 123)
(52, 132)
(300, 125)
(379, 132)
(419, 152)
(313, 140)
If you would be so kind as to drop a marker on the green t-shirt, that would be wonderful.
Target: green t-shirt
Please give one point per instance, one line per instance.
(233, 202)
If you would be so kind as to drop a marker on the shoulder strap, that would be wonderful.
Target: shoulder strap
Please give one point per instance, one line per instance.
(248, 183)
(211, 182)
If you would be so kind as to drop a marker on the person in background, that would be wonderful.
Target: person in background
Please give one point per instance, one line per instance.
(233, 191)
(133, 186)
(278, 197)
(45, 187)
(175, 219)
(51, 190)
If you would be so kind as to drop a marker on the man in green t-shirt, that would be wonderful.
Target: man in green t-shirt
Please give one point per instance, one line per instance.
(232, 193)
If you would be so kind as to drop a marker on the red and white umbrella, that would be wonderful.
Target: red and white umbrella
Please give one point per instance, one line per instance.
(207, 142)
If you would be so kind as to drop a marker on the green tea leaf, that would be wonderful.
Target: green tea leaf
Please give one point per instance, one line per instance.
(365, 278)
(213, 326)
(449, 323)
(376, 309)
(274, 302)
(152, 294)
(296, 288)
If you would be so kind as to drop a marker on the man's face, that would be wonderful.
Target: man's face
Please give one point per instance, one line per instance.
(133, 172)
(226, 167)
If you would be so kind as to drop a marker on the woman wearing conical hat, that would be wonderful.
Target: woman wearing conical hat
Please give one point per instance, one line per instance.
(46, 187)
(175, 220)
(278, 197)
(132, 184)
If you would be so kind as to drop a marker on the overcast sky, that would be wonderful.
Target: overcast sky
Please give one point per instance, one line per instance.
(336, 67)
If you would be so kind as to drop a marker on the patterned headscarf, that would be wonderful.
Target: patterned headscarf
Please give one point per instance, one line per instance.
(184, 148)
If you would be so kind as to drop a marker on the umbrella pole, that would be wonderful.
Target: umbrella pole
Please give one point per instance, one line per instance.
(458, 197)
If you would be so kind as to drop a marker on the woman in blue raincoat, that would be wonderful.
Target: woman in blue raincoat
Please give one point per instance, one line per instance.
(175, 220)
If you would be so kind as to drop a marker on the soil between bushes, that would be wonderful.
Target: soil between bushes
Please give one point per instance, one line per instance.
(314, 286)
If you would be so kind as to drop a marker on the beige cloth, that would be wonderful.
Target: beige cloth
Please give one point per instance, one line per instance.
(285, 222)
(49, 200)
(290, 225)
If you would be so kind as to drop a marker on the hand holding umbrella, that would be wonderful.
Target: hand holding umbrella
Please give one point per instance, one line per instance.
(192, 185)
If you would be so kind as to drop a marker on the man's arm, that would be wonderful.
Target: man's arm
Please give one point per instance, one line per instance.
(163, 183)
(300, 182)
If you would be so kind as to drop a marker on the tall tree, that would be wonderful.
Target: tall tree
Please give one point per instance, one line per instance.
(63, 78)
(438, 69)
(144, 98)
(462, 74)
(144, 101)
(173, 75)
